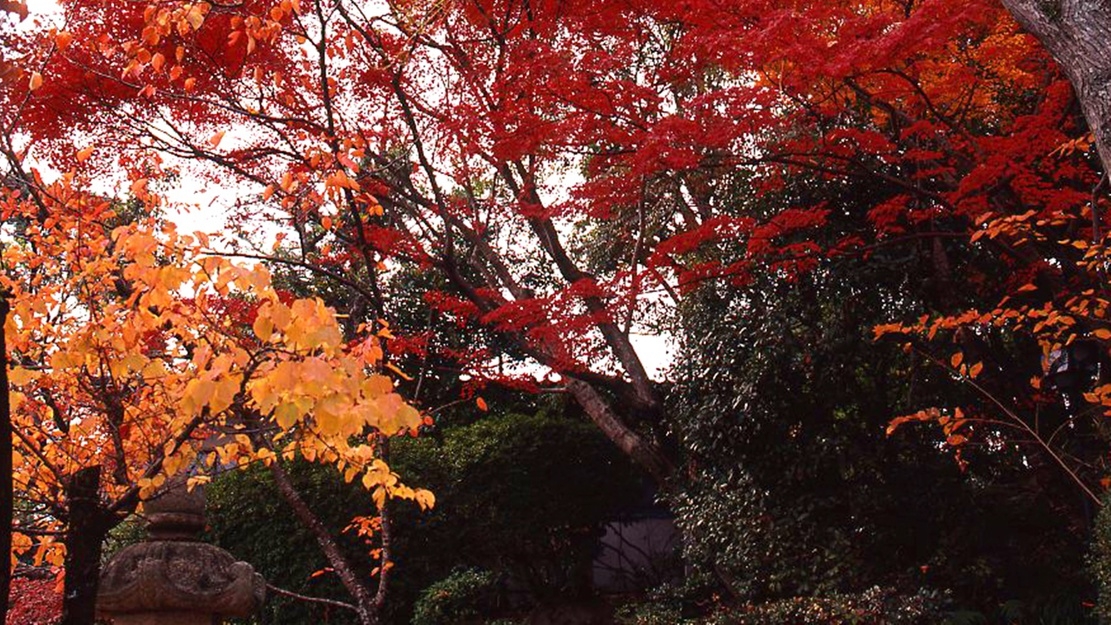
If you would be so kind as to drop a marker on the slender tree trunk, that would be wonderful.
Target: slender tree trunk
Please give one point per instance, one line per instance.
(365, 603)
(386, 532)
(1078, 35)
(7, 484)
(88, 525)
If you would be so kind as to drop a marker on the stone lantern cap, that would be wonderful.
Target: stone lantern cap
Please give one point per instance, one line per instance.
(173, 573)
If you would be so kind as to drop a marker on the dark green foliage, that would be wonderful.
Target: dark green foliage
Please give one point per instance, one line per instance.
(1100, 560)
(781, 405)
(523, 495)
(463, 598)
(874, 605)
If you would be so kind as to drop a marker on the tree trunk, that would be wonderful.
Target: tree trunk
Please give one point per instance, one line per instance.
(7, 484)
(86, 528)
(1078, 35)
(642, 451)
(386, 532)
(364, 600)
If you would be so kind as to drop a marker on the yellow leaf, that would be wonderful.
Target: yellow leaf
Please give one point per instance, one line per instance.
(280, 315)
(286, 415)
(20, 376)
(425, 499)
(224, 394)
(198, 393)
(195, 15)
(377, 385)
(263, 326)
(408, 416)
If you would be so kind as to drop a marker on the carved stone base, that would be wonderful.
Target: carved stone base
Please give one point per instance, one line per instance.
(172, 578)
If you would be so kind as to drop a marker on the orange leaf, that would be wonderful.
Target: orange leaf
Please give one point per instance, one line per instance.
(62, 40)
(215, 139)
(36, 81)
(956, 359)
(83, 155)
(481, 403)
(975, 370)
(399, 372)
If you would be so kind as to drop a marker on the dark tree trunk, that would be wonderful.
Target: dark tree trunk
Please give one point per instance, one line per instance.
(88, 525)
(641, 450)
(1078, 35)
(7, 485)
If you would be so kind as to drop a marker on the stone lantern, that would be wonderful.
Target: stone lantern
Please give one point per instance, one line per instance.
(174, 579)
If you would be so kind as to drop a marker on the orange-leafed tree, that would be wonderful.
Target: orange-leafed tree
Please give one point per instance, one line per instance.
(134, 357)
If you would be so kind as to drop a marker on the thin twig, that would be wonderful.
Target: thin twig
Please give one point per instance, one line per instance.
(293, 595)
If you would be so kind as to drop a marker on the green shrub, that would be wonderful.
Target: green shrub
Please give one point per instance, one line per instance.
(519, 494)
(465, 597)
(650, 613)
(875, 605)
(1099, 561)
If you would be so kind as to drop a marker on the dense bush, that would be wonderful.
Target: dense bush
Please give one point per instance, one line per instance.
(1100, 560)
(874, 605)
(465, 597)
(521, 495)
(781, 404)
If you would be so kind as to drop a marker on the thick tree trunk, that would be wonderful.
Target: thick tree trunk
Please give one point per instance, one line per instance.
(1078, 35)
(642, 451)
(88, 525)
(7, 484)
(365, 603)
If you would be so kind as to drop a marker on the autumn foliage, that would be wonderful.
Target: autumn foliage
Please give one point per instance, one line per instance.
(125, 355)
(557, 175)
